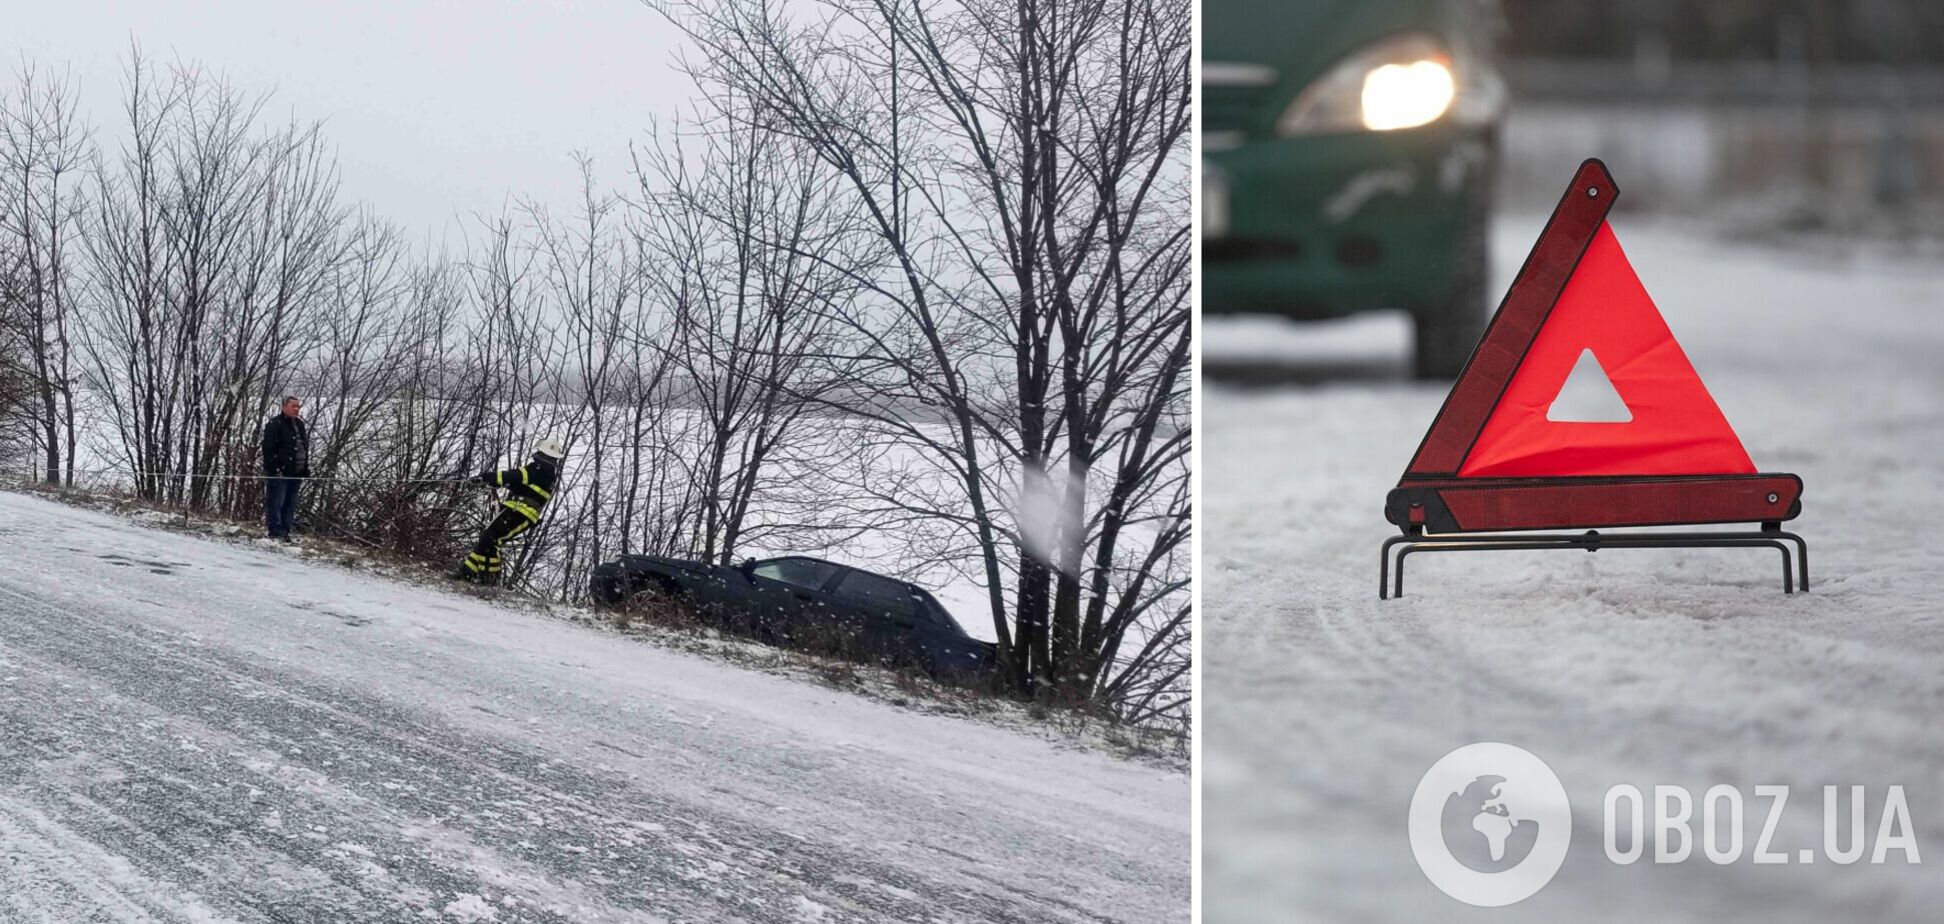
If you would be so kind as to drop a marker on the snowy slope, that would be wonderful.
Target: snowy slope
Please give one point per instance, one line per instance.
(192, 730)
(1324, 707)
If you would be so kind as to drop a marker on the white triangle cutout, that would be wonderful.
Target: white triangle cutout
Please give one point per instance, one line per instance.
(1588, 395)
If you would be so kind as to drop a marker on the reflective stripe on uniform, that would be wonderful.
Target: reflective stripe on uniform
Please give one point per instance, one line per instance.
(543, 492)
(525, 510)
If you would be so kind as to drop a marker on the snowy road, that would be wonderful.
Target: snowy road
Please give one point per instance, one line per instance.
(1324, 707)
(199, 731)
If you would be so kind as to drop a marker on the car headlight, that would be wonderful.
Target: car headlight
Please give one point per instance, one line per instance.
(1406, 95)
(1401, 82)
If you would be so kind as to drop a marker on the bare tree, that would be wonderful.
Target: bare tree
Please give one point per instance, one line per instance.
(43, 149)
(590, 285)
(1022, 170)
(212, 241)
(727, 251)
(131, 264)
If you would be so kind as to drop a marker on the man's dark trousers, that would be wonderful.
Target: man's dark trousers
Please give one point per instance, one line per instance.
(280, 504)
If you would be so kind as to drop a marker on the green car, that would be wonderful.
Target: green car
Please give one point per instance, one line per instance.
(1348, 149)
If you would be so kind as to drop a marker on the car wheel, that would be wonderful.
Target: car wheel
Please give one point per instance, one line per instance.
(1447, 334)
(612, 589)
(657, 595)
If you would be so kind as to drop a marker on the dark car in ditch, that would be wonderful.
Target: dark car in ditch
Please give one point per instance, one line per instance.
(810, 603)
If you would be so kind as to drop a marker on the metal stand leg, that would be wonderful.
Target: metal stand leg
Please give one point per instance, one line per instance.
(1383, 566)
(1802, 555)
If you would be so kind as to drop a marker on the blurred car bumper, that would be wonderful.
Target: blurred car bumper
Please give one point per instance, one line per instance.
(1326, 226)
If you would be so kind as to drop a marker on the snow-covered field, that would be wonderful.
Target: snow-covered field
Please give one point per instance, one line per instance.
(1323, 707)
(194, 730)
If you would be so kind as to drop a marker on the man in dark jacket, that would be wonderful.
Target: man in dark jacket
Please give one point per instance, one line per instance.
(286, 461)
(528, 489)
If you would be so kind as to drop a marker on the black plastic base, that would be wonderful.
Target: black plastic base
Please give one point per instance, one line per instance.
(1771, 536)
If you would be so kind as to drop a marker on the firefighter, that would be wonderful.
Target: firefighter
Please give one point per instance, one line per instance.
(528, 488)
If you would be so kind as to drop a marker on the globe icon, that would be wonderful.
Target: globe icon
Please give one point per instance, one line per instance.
(1484, 828)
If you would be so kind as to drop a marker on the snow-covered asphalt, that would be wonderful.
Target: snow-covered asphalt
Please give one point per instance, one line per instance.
(194, 730)
(1324, 707)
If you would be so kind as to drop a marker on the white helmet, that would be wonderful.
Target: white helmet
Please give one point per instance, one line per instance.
(551, 447)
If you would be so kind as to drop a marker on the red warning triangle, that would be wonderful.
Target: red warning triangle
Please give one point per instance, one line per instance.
(1577, 292)
(1676, 428)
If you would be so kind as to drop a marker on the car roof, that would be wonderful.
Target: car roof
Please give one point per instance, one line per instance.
(939, 604)
(839, 564)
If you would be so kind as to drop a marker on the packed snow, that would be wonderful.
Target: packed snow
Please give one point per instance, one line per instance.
(200, 730)
(1324, 707)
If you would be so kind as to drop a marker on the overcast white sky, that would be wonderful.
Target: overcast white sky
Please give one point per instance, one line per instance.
(437, 107)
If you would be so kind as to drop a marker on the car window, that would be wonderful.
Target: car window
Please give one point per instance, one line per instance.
(878, 593)
(797, 572)
(937, 613)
